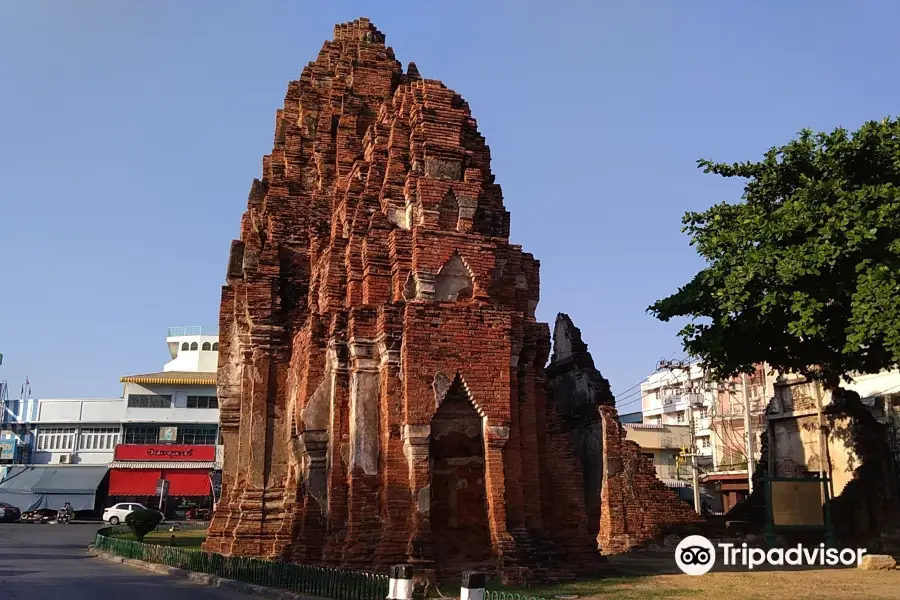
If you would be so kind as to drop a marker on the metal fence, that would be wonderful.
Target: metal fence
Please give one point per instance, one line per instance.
(182, 331)
(169, 526)
(489, 595)
(327, 582)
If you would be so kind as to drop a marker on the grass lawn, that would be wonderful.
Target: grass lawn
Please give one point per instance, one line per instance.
(183, 539)
(826, 584)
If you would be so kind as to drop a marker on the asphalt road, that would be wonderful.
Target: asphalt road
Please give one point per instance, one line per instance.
(50, 562)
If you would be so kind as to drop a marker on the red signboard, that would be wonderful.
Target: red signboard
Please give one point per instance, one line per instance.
(158, 452)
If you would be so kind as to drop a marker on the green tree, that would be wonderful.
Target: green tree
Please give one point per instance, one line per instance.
(805, 273)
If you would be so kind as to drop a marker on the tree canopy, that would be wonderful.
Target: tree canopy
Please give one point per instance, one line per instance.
(804, 273)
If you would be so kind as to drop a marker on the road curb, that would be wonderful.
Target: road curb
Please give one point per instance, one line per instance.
(203, 578)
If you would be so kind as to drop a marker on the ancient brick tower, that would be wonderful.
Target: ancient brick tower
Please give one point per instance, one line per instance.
(381, 374)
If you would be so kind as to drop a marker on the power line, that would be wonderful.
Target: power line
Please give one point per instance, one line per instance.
(634, 386)
(627, 396)
(638, 399)
(625, 393)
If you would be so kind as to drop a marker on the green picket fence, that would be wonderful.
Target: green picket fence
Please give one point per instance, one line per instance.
(327, 582)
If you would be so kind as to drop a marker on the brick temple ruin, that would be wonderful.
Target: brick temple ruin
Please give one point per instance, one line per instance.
(626, 504)
(381, 379)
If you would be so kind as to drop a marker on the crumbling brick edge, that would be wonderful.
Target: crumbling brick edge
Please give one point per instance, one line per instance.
(202, 578)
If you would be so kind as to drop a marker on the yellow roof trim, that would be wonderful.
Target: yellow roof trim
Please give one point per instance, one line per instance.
(161, 381)
(172, 379)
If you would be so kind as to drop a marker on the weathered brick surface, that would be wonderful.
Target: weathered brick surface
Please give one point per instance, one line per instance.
(627, 504)
(635, 506)
(373, 279)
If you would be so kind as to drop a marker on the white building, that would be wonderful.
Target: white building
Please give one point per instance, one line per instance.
(64, 431)
(192, 351)
(77, 431)
(170, 430)
(165, 426)
(672, 397)
(179, 403)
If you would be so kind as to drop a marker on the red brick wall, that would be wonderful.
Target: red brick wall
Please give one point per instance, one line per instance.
(635, 506)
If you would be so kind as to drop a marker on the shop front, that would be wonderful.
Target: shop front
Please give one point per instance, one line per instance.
(733, 487)
(138, 468)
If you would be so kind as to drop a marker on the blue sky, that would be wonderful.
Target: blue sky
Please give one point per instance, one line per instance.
(130, 132)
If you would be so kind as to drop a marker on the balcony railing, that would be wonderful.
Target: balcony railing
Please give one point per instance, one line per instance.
(183, 331)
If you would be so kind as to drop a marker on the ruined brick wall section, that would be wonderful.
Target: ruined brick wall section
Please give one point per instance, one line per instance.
(635, 506)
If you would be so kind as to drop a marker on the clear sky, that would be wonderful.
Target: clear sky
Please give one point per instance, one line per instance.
(130, 133)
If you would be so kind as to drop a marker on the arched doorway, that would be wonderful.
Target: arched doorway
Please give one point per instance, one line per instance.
(459, 519)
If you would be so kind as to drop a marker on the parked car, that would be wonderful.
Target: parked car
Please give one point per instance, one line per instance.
(198, 514)
(41, 515)
(8, 512)
(116, 514)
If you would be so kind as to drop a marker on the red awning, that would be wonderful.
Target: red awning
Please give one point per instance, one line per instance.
(142, 482)
(133, 482)
(188, 483)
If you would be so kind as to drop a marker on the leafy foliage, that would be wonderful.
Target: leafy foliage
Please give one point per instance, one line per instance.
(142, 521)
(805, 273)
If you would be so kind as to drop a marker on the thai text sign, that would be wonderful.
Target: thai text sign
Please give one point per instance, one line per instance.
(161, 452)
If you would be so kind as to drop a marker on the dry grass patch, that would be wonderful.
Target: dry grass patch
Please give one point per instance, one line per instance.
(825, 584)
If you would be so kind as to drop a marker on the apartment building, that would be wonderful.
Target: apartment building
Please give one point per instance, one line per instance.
(677, 397)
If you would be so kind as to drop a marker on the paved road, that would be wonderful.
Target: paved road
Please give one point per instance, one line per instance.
(50, 562)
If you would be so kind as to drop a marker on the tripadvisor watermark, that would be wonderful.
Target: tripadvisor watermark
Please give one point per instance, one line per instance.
(696, 555)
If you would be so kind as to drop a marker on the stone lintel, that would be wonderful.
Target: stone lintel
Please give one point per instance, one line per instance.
(424, 285)
(334, 356)
(361, 347)
(388, 357)
(416, 434)
(312, 437)
(497, 435)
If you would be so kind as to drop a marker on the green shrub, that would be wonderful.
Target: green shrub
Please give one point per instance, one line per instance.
(142, 521)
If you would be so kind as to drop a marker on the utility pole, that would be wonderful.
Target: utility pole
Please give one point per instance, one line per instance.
(695, 469)
(685, 367)
(748, 430)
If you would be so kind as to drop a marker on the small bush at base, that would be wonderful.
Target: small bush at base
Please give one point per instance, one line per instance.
(142, 521)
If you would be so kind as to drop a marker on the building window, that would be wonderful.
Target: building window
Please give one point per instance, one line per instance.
(679, 416)
(194, 346)
(202, 402)
(98, 438)
(704, 412)
(207, 346)
(149, 401)
(648, 457)
(185, 346)
(215, 346)
(703, 442)
(197, 436)
(55, 440)
(142, 435)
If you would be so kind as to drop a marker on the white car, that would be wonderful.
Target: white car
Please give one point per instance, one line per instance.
(116, 514)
